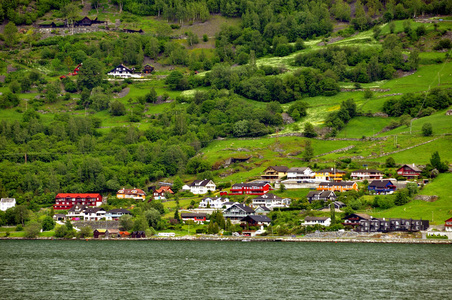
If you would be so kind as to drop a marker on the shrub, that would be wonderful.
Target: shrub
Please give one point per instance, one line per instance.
(427, 129)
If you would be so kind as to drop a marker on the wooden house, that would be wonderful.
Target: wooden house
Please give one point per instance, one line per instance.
(250, 188)
(367, 174)
(382, 187)
(311, 221)
(122, 71)
(341, 186)
(136, 194)
(274, 173)
(256, 220)
(409, 171)
(270, 201)
(64, 201)
(148, 69)
(138, 235)
(331, 174)
(202, 186)
(448, 225)
(321, 195)
(237, 212)
(160, 194)
(195, 217)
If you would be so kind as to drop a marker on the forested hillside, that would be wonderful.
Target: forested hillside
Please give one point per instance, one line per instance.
(311, 68)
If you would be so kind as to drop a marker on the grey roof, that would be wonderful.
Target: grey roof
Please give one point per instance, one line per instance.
(263, 207)
(200, 182)
(322, 194)
(258, 218)
(268, 196)
(340, 183)
(367, 171)
(91, 210)
(119, 210)
(331, 170)
(78, 207)
(4, 200)
(242, 207)
(316, 218)
(193, 215)
(380, 183)
(413, 167)
(298, 170)
(279, 168)
(250, 184)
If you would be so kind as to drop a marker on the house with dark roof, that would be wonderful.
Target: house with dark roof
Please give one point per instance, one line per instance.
(94, 214)
(274, 173)
(261, 210)
(147, 69)
(341, 186)
(136, 194)
(202, 186)
(337, 205)
(237, 212)
(321, 195)
(256, 220)
(390, 225)
(355, 219)
(271, 201)
(76, 212)
(250, 188)
(381, 187)
(311, 221)
(304, 173)
(122, 71)
(195, 217)
(115, 214)
(367, 174)
(409, 171)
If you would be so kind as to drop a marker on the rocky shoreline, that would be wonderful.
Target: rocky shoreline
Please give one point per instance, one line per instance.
(265, 239)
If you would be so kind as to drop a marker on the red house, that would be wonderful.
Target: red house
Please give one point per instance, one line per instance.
(448, 225)
(198, 218)
(66, 201)
(250, 188)
(409, 171)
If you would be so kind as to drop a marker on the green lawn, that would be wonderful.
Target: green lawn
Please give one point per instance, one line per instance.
(364, 126)
(440, 210)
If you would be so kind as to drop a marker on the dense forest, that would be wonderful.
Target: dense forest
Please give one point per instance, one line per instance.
(75, 153)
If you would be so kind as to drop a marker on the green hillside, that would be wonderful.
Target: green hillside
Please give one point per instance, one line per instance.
(230, 80)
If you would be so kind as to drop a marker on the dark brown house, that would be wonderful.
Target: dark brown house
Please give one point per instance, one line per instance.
(138, 234)
(148, 69)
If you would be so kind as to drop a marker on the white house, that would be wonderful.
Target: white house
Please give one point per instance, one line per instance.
(6, 203)
(213, 202)
(115, 214)
(75, 213)
(123, 72)
(270, 201)
(367, 174)
(94, 213)
(202, 186)
(302, 174)
(324, 221)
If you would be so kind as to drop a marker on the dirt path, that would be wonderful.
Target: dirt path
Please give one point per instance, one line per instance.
(123, 93)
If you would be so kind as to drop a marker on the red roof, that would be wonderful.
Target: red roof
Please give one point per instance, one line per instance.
(74, 195)
(164, 189)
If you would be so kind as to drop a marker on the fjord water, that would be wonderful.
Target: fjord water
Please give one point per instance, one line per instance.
(222, 270)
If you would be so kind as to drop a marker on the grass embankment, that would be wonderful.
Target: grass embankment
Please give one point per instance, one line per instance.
(440, 210)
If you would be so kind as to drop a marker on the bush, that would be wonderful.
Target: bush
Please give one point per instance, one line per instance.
(32, 230)
(427, 129)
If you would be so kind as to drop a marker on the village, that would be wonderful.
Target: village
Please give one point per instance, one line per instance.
(248, 218)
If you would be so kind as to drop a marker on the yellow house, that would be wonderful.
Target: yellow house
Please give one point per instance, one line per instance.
(136, 194)
(342, 186)
(331, 174)
(274, 173)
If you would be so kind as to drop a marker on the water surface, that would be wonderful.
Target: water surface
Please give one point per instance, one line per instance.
(222, 270)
